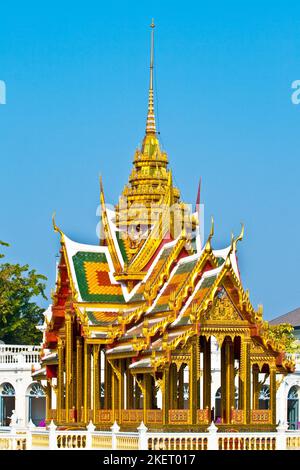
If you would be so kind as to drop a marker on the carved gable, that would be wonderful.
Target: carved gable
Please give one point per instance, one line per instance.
(222, 309)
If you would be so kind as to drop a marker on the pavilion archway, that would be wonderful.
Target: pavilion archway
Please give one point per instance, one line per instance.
(7, 403)
(293, 407)
(36, 402)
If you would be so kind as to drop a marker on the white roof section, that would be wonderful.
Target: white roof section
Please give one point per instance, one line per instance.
(48, 313)
(122, 348)
(41, 371)
(141, 363)
(113, 229)
(223, 254)
(206, 275)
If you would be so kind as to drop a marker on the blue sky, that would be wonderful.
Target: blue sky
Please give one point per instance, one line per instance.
(77, 77)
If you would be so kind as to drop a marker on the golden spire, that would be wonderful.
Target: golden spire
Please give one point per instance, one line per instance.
(150, 123)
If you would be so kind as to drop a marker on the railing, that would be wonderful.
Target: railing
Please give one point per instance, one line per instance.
(132, 416)
(179, 416)
(17, 348)
(154, 416)
(105, 416)
(237, 416)
(181, 442)
(13, 442)
(16, 354)
(261, 416)
(293, 441)
(102, 440)
(246, 442)
(141, 438)
(126, 441)
(136, 416)
(203, 416)
(40, 440)
(71, 440)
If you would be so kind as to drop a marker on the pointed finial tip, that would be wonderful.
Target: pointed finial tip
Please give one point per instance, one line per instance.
(152, 25)
(101, 182)
(53, 222)
(55, 227)
(150, 122)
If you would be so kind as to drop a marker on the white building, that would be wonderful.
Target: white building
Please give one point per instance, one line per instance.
(288, 393)
(18, 391)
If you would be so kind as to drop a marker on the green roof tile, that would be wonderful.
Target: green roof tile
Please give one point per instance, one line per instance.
(79, 260)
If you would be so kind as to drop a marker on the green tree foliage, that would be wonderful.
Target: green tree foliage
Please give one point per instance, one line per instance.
(19, 313)
(283, 336)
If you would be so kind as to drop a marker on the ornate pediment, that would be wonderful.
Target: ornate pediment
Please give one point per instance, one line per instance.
(222, 309)
(257, 348)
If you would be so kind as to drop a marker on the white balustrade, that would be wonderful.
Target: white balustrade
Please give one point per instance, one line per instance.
(19, 354)
(53, 438)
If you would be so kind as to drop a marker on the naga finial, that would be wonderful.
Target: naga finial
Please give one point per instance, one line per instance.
(55, 227)
(212, 229)
(234, 241)
(239, 237)
(211, 234)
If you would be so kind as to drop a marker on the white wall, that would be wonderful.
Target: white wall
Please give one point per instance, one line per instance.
(16, 364)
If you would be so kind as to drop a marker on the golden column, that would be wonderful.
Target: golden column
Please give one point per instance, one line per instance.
(117, 388)
(121, 385)
(129, 387)
(165, 395)
(206, 372)
(227, 379)
(193, 383)
(114, 394)
(60, 379)
(230, 388)
(107, 385)
(137, 395)
(74, 379)
(245, 378)
(147, 391)
(48, 392)
(223, 382)
(69, 361)
(79, 381)
(96, 382)
(255, 391)
(273, 394)
(173, 386)
(87, 382)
